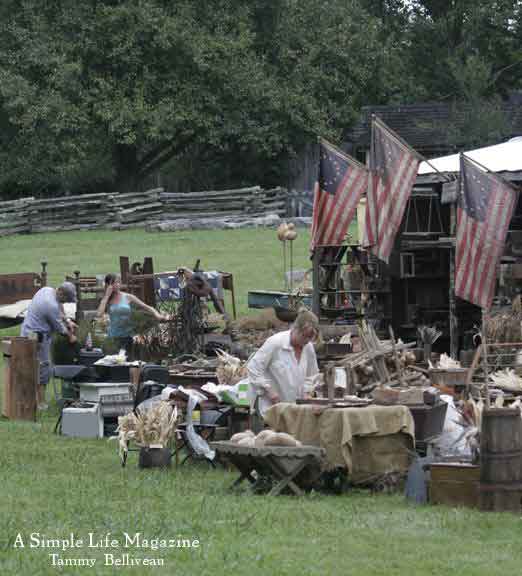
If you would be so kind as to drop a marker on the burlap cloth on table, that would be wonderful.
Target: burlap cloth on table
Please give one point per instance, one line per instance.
(368, 441)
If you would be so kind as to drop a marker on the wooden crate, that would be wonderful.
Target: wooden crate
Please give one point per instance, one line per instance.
(455, 484)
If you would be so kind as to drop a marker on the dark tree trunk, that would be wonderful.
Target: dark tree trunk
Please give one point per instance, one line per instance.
(126, 167)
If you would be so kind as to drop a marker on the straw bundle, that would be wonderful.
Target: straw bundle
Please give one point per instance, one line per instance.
(505, 326)
(152, 427)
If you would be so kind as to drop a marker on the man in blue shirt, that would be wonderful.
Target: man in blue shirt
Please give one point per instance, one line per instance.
(44, 317)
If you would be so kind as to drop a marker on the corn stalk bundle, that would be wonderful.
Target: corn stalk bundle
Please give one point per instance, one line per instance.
(152, 427)
(470, 412)
(505, 326)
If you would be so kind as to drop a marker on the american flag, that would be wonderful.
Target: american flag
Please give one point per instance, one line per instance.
(393, 169)
(484, 211)
(341, 181)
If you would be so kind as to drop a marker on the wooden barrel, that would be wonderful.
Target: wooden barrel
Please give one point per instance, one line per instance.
(21, 379)
(501, 460)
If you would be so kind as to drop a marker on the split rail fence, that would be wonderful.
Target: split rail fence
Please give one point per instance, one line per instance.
(136, 209)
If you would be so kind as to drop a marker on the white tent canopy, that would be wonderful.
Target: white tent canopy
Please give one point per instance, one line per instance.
(505, 157)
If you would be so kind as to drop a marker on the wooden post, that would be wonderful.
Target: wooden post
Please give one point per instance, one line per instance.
(285, 279)
(79, 313)
(149, 294)
(124, 270)
(396, 359)
(454, 327)
(6, 352)
(316, 294)
(22, 382)
(329, 380)
(485, 357)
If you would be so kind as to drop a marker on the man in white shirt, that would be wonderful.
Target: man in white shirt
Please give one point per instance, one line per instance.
(284, 368)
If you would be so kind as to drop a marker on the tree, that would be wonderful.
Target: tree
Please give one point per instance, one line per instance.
(445, 34)
(116, 89)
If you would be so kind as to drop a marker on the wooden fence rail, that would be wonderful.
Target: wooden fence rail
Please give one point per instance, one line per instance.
(135, 209)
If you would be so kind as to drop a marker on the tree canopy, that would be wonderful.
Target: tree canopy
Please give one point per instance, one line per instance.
(103, 93)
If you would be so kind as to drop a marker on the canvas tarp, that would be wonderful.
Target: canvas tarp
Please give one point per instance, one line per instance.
(367, 442)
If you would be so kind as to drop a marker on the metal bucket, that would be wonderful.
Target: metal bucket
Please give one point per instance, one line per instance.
(155, 457)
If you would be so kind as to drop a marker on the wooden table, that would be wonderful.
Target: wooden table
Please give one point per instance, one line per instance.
(281, 463)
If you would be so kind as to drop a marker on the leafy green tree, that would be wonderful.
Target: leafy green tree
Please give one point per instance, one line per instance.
(445, 34)
(104, 91)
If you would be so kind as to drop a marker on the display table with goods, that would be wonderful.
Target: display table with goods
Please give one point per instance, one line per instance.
(367, 441)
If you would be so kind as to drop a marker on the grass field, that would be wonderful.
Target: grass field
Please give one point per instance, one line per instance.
(53, 485)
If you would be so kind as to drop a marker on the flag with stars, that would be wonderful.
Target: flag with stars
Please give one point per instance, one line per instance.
(341, 181)
(393, 170)
(484, 210)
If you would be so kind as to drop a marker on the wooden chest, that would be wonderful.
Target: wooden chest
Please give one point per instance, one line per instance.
(455, 484)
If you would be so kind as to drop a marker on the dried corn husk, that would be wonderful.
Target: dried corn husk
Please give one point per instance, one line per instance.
(507, 380)
(447, 363)
(230, 369)
(346, 339)
(499, 401)
(126, 431)
(155, 426)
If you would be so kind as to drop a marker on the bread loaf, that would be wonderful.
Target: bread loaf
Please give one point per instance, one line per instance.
(262, 437)
(247, 441)
(282, 439)
(236, 438)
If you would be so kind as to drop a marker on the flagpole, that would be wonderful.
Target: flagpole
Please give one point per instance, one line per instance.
(419, 155)
(452, 300)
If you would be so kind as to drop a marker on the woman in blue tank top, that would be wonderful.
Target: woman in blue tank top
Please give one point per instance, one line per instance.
(117, 305)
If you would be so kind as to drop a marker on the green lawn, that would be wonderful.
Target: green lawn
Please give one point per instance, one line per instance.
(53, 485)
(254, 256)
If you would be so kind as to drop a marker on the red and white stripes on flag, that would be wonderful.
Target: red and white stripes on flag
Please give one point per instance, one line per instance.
(393, 170)
(485, 207)
(341, 181)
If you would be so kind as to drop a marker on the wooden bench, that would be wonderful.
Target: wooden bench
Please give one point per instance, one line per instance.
(22, 285)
